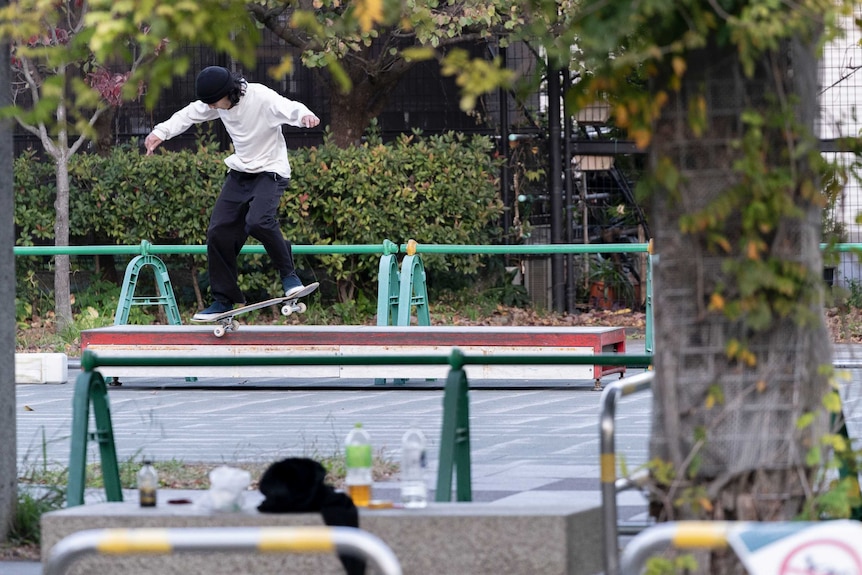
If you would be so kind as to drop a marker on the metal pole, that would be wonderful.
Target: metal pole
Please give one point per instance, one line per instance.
(525, 249)
(570, 189)
(147, 248)
(608, 463)
(558, 284)
(90, 360)
(505, 189)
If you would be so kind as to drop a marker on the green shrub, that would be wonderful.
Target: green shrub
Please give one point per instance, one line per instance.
(35, 188)
(441, 189)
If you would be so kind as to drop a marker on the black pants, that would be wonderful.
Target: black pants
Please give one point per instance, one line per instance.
(246, 206)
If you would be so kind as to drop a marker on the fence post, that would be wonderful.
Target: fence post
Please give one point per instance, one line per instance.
(649, 300)
(455, 436)
(90, 388)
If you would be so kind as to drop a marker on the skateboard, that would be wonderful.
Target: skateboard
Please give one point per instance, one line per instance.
(289, 305)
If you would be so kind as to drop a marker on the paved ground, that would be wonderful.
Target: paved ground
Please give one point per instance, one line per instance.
(530, 443)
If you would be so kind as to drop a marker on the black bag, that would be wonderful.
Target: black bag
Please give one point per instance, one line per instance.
(296, 485)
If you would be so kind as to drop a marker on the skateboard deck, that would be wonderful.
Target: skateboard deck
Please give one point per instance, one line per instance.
(289, 305)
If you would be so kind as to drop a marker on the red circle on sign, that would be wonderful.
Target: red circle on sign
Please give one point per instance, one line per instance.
(797, 563)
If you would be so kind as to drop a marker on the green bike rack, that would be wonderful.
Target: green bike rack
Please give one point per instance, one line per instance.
(388, 292)
(166, 297)
(455, 435)
(163, 281)
(388, 289)
(90, 389)
(414, 291)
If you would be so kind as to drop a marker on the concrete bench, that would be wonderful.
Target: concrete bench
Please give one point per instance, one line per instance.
(444, 538)
(341, 341)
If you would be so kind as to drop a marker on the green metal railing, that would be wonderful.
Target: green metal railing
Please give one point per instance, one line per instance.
(416, 247)
(412, 247)
(146, 255)
(90, 389)
(146, 247)
(399, 293)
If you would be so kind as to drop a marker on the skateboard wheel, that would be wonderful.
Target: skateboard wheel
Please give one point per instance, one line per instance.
(286, 310)
(234, 325)
(219, 331)
(301, 307)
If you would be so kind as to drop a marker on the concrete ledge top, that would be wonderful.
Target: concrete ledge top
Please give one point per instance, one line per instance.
(131, 509)
(595, 338)
(299, 329)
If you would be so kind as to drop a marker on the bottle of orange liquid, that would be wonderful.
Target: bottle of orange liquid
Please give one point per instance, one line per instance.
(357, 451)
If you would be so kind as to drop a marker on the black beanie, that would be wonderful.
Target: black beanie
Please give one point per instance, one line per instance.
(213, 83)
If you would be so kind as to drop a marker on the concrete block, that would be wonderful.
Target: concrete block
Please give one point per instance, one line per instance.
(41, 368)
(444, 538)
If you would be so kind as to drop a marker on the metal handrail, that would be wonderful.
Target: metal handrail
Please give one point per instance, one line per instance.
(414, 247)
(608, 463)
(680, 535)
(90, 360)
(145, 248)
(345, 540)
(763, 547)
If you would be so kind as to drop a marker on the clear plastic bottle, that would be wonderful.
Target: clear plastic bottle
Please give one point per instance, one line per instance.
(148, 484)
(414, 491)
(357, 451)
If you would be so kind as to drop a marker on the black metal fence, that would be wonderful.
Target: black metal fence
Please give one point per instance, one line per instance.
(423, 99)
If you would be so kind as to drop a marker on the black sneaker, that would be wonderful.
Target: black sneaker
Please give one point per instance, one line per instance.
(216, 309)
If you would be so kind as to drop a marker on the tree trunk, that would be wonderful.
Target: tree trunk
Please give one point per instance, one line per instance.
(62, 264)
(8, 433)
(351, 114)
(744, 451)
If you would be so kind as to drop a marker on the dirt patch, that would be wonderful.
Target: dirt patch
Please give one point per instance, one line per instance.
(9, 552)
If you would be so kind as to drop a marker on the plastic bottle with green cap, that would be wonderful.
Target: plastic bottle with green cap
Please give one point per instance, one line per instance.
(357, 452)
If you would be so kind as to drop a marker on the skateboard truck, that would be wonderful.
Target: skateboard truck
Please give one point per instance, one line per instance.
(293, 305)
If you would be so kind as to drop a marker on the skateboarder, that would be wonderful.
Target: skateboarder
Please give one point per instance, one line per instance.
(259, 172)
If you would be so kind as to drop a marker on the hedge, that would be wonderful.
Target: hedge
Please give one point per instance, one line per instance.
(439, 189)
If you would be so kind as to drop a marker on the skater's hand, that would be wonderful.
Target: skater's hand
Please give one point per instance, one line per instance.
(151, 143)
(310, 121)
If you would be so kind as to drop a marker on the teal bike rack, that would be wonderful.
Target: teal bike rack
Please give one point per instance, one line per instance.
(388, 285)
(165, 298)
(413, 292)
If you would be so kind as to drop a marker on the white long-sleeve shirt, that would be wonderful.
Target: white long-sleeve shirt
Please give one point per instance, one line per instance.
(254, 126)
